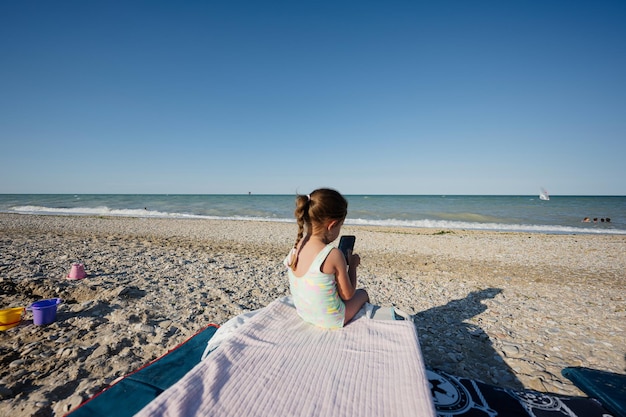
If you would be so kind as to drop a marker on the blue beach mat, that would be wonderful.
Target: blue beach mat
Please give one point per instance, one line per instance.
(607, 387)
(452, 396)
(134, 391)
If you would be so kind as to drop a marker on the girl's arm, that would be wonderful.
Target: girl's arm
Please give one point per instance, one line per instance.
(355, 261)
(346, 278)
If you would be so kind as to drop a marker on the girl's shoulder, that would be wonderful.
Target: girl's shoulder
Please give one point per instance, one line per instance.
(332, 261)
(311, 256)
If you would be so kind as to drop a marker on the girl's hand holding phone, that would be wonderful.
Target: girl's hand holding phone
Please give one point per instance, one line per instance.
(354, 259)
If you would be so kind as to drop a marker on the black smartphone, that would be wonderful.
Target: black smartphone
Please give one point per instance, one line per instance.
(346, 242)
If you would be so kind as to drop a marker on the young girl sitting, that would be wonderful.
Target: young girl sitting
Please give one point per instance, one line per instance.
(321, 283)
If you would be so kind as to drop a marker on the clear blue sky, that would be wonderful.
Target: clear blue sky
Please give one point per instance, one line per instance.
(408, 97)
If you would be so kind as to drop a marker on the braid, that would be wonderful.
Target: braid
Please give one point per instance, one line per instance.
(302, 217)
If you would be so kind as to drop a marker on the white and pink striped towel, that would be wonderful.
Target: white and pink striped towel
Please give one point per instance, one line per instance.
(277, 365)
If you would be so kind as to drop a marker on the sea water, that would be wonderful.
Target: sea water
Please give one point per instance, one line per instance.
(560, 214)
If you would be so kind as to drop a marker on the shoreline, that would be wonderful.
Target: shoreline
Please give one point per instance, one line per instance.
(508, 308)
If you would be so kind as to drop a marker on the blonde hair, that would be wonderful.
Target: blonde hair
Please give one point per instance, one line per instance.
(320, 206)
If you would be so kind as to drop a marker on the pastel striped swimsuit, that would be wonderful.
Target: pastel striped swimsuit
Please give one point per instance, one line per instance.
(315, 294)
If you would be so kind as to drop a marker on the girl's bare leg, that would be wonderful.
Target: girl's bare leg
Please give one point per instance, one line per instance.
(354, 304)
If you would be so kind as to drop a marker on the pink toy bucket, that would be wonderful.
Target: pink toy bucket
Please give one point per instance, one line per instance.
(77, 272)
(44, 311)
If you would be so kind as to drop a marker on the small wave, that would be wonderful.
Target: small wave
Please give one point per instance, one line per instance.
(470, 217)
(144, 213)
(95, 211)
(500, 227)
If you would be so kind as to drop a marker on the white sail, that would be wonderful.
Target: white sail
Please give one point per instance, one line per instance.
(544, 194)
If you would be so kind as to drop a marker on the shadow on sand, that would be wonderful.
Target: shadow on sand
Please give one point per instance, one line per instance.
(450, 342)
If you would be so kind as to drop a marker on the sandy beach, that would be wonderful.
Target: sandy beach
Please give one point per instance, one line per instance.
(511, 309)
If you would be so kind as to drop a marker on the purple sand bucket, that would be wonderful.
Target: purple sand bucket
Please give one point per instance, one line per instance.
(44, 311)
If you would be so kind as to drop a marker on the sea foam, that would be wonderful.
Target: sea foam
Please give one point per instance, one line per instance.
(427, 223)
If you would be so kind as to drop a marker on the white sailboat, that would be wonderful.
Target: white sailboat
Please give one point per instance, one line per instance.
(544, 195)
